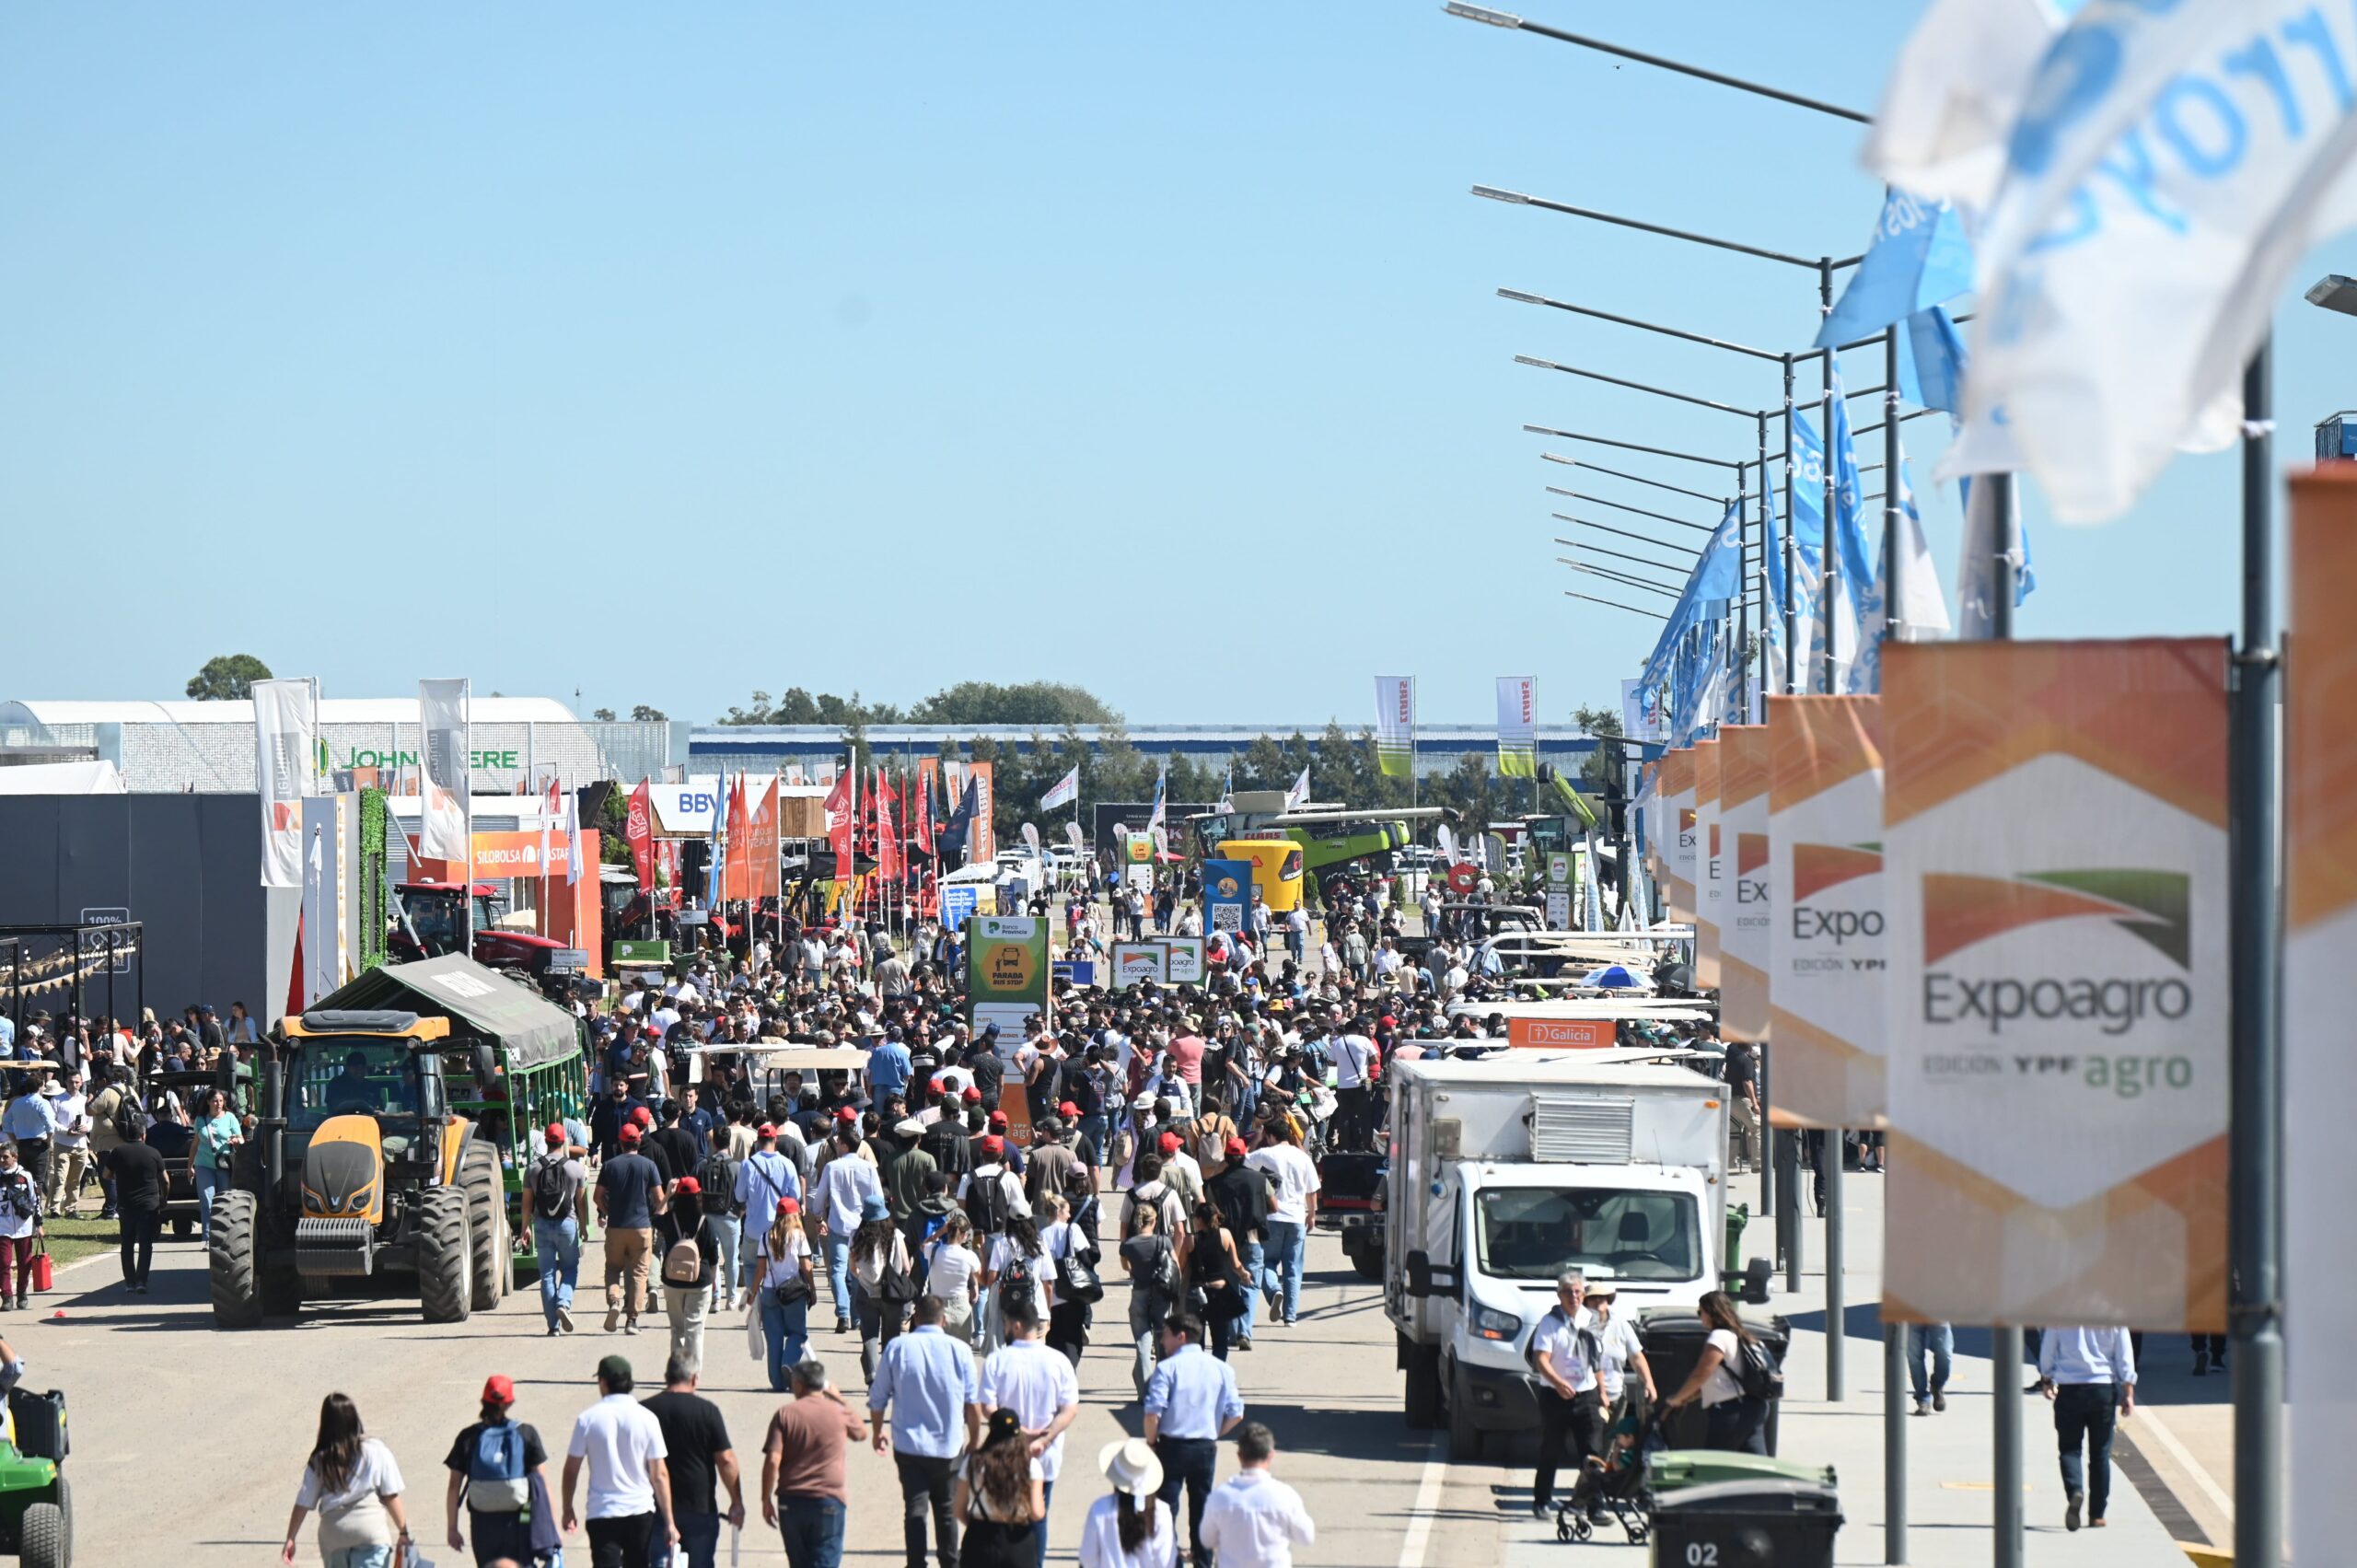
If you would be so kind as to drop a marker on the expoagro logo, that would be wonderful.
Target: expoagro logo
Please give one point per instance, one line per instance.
(1961, 912)
(1818, 869)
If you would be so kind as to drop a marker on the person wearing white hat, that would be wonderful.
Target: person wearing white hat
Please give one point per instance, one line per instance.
(1129, 1528)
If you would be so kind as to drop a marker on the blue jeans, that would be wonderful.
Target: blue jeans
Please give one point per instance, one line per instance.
(813, 1529)
(557, 1244)
(359, 1557)
(1242, 1322)
(1939, 1339)
(698, 1542)
(209, 1181)
(1039, 1536)
(838, 1273)
(1284, 1252)
(787, 1329)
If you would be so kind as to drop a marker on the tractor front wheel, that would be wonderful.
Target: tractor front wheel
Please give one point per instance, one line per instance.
(443, 1255)
(231, 1259)
(46, 1532)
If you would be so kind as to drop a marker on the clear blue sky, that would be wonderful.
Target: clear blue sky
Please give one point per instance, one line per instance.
(670, 351)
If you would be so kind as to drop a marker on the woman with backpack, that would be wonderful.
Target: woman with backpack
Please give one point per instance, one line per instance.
(1213, 1272)
(1068, 1318)
(883, 1280)
(782, 1291)
(498, 1467)
(1733, 1380)
(1000, 1498)
(1017, 1267)
(1152, 1263)
(688, 1265)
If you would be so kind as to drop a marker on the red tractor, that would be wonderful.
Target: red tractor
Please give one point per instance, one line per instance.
(437, 912)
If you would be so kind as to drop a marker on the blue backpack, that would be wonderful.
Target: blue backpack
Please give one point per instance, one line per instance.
(497, 1481)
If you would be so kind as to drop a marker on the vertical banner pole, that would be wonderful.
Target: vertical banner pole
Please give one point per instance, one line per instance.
(1894, 1358)
(1788, 1206)
(1836, 1305)
(1828, 570)
(1894, 1442)
(1792, 542)
(2005, 1393)
(2254, 1181)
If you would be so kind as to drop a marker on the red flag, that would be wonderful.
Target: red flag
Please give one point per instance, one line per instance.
(736, 880)
(839, 822)
(924, 815)
(638, 832)
(887, 836)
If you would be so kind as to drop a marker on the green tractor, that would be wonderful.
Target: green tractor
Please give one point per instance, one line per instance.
(35, 1502)
(1333, 839)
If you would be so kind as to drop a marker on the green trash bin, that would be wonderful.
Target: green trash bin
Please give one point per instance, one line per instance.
(1674, 1469)
(1766, 1523)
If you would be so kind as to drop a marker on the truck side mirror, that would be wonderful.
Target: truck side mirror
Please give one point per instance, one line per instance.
(1419, 1274)
(1755, 1275)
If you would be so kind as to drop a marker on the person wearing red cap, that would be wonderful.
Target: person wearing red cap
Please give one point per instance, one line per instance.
(688, 1269)
(629, 1190)
(556, 1185)
(1242, 1197)
(498, 1467)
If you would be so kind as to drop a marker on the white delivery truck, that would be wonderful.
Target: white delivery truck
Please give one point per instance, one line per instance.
(1503, 1173)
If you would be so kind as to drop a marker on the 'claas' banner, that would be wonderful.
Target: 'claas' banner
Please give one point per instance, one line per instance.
(2055, 886)
(1826, 947)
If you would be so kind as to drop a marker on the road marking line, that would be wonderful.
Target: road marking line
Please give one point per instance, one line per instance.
(2209, 1489)
(1420, 1520)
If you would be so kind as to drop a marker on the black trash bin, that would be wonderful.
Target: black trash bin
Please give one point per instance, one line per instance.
(1673, 1343)
(1749, 1523)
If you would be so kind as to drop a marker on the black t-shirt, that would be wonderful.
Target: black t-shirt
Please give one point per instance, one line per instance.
(138, 1173)
(462, 1451)
(989, 1073)
(628, 1181)
(1743, 1067)
(675, 1150)
(693, 1432)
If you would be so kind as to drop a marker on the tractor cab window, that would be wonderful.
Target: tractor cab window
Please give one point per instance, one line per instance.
(437, 922)
(337, 1077)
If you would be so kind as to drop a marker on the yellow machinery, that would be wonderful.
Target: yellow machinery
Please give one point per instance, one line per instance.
(1276, 869)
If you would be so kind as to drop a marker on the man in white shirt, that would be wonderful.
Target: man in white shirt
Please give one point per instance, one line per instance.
(2090, 1374)
(69, 1164)
(1353, 1086)
(1294, 1187)
(1036, 1383)
(629, 1489)
(1254, 1520)
(1566, 1354)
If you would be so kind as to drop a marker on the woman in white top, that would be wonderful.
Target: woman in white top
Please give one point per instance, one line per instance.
(876, 1246)
(1733, 1418)
(354, 1483)
(954, 1273)
(1019, 1239)
(781, 1291)
(1129, 1528)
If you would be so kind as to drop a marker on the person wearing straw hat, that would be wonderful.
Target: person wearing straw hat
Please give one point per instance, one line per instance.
(1129, 1527)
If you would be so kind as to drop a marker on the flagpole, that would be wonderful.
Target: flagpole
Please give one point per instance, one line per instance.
(1792, 567)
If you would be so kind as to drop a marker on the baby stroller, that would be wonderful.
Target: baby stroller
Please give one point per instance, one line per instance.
(1615, 1483)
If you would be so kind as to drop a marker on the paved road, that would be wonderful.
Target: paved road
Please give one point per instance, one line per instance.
(189, 1441)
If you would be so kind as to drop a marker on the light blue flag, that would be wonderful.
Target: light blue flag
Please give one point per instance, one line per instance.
(1714, 578)
(1919, 257)
(1858, 593)
(1932, 362)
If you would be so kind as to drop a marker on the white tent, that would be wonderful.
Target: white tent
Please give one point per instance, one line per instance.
(62, 778)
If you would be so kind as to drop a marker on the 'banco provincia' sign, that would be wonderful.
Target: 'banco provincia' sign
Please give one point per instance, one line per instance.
(2055, 892)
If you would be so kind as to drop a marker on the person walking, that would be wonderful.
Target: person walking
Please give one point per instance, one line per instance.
(783, 1290)
(1156, 1288)
(999, 1499)
(926, 1380)
(22, 1230)
(219, 1135)
(619, 1442)
(1191, 1404)
(1294, 1187)
(1242, 1196)
(69, 1164)
(628, 1191)
(806, 1489)
(699, 1460)
(688, 1269)
(353, 1483)
(1129, 1527)
(2090, 1376)
(558, 1184)
(883, 1280)
(764, 1178)
(1732, 1416)
(31, 1128)
(1254, 1520)
(1207, 1256)
(846, 1185)
(952, 1276)
(1937, 1343)
(1565, 1352)
(499, 1470)
(1038, 1385)
(134, 1174)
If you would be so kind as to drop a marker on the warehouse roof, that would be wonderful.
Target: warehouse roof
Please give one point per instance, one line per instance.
(332, 710)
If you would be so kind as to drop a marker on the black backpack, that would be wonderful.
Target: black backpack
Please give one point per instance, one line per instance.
(1755, 1372)
(551, 1193)
(130, 1122)
(986, 1203)
(717, 1176)
(1017, 1286)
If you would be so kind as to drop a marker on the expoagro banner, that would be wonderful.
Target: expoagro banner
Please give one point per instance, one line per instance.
(1744, 909)
(1395, 723)
(1825, 887)
(286, 750)
(449, 798)
(1676, 817)
(2055, 841)
(2319, 1070)
(1709, 866)
(1517, 728)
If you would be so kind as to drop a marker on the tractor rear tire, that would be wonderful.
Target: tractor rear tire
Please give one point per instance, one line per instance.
(231, 1257)
(443, 1255)
(46, 1534)
(486, 1224)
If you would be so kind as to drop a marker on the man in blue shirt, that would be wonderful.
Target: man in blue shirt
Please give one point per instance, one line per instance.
(926, 1379)
(887, 1066)
(2090, 1374)
(1191, 1404)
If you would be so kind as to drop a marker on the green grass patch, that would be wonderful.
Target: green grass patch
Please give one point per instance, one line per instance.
(71, 1241)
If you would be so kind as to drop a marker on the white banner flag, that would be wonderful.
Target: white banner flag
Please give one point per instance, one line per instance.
(448, 795)
(286, 750)
(1031, 839)
(1299, 794)
(2152, 211)
(1395, 723)
(1064, 792)
(1517, 728)
(572, 837)
(1953, 94)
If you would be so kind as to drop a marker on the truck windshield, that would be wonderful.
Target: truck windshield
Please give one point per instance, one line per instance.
(338, 1076)
(1536, 1234)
